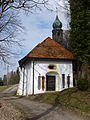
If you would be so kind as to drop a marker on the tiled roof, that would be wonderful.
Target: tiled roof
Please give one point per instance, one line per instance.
(50, 49)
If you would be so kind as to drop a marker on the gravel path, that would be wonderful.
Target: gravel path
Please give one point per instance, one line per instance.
(10, 91)
(41, 111)
(34, 110)
(8, 112)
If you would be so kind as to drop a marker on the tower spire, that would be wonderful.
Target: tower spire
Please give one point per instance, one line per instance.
(56, 11)
(57, 32)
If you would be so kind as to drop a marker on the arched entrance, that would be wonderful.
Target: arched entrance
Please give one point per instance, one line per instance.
(51, 81)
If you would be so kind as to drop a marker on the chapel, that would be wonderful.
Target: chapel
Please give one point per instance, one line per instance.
(47, 67)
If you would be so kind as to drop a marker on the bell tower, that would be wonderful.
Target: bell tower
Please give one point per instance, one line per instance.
(57, 32)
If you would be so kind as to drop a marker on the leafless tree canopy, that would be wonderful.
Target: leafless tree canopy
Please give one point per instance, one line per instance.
(10, 25)
(64, 6)
(27, 5)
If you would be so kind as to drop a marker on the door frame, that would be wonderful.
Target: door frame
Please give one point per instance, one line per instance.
(52, 73)
(54, 82)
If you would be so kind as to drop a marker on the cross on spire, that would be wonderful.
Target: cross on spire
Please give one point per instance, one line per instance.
(56, 11)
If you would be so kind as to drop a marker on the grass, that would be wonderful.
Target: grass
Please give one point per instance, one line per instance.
(70, 98)
(2, 88)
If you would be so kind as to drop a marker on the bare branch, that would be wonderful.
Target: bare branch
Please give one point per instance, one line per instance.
(26, 5)
(9, 27)
(10, 24)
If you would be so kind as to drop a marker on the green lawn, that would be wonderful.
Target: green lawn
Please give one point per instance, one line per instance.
(70, 98)
(2, 88)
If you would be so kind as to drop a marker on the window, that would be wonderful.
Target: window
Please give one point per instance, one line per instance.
(58, 33)
(39, 82)
(68, 81)
(63, 80)
(43, 78)
(89, 64)
(52, 67)
(89, 6)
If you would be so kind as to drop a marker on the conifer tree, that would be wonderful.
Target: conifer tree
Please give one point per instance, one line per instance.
(80, 30)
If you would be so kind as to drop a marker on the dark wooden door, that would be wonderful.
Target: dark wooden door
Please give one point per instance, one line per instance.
(50, 83)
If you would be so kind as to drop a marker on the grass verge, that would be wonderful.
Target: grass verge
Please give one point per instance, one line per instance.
(70, 98)
(2, 88)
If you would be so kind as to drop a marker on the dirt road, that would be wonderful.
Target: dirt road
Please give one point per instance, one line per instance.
(41, 111)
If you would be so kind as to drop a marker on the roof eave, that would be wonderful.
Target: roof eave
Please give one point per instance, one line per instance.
(24, 61)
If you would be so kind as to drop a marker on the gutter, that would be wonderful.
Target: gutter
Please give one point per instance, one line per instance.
(33, 78)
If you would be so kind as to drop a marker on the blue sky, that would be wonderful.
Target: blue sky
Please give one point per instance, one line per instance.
(37, 27)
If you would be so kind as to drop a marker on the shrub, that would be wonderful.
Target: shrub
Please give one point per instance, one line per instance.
(82, 84)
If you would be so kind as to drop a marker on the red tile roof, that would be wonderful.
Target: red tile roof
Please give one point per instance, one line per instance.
(50, 49)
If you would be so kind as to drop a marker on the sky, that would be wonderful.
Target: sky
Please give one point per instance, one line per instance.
(37, 27)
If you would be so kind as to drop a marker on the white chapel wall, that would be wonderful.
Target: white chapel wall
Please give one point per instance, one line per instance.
(41, 68)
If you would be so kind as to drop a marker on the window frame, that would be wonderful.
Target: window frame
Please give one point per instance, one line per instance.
(54, 67)
(63, 80)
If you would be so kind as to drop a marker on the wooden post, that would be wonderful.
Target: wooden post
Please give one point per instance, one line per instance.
(7, 74)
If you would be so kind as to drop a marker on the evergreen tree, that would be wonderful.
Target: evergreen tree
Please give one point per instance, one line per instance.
(14, 79)
(80, 30)
(0, 79)
(5, 79)
(1, 82)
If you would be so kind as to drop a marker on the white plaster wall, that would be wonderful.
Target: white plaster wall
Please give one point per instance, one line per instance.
(41, 68)
(27, 79)
(25, 74)
(20, 87)
(67, 69)
(63, 67)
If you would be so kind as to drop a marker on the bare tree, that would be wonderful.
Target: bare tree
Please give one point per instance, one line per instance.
(64, 6)
(27, 5)
(10, 25)
(9, 28)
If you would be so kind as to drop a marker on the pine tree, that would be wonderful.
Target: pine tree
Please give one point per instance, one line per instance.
(80, 30)
(5, 79)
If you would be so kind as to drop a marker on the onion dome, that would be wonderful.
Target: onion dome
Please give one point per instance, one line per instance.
(57, 23)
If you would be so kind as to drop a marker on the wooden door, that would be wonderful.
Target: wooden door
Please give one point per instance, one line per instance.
(50, 83)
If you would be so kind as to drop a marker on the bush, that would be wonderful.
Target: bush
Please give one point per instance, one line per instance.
(82, 84)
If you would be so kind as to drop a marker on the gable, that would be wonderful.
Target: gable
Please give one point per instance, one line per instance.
(49, 49)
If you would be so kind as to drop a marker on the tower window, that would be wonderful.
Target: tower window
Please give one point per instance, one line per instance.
(58, 33)
(63, 80)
